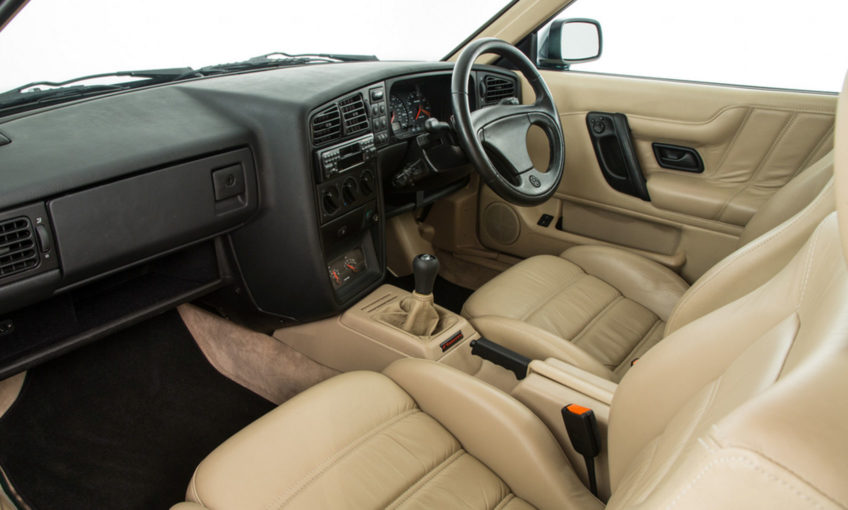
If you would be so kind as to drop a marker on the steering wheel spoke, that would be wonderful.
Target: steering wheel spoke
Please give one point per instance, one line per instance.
(495, 137)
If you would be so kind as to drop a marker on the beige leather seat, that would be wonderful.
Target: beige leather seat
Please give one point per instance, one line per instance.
(600, 307)
(741, 408)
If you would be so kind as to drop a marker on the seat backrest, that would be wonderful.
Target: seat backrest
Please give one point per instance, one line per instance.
(790, 199)
(770, 239)
(746, 406)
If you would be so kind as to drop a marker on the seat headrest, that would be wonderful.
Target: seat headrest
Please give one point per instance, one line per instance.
(840, 165)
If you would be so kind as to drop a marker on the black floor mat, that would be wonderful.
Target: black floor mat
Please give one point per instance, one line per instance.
(446, 294)
(121, 423)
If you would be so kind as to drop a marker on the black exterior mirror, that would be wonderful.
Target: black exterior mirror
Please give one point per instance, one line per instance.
(569, 41)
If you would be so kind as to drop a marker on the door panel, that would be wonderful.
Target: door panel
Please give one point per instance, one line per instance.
(751, 142)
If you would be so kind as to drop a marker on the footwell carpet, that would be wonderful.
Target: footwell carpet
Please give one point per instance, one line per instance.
(121, 423)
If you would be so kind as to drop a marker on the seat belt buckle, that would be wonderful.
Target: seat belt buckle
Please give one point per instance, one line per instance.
(582, 428)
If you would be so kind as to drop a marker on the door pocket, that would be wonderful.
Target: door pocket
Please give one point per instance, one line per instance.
(620, 229)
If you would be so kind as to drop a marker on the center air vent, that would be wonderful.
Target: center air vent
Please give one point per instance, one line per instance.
(494, 88)
(18, 251)
(354, 115)
(326, 125)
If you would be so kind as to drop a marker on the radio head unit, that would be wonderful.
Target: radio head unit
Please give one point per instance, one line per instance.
(342, 157)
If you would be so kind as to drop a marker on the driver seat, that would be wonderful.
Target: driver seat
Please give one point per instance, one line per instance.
(741, 408)
(600, 308)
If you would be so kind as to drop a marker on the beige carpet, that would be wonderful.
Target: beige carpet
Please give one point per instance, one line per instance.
(9, 390)
(256, 361)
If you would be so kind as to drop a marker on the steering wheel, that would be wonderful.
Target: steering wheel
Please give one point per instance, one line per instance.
(494, 138)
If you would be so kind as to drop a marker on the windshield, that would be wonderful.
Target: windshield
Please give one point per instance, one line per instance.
(55, 40)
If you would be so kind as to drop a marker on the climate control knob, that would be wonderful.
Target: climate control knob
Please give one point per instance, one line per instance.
(330, 200)
(366, 182)
(349, 191)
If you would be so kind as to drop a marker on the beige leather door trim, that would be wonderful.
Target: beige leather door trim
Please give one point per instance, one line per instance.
(752, 142)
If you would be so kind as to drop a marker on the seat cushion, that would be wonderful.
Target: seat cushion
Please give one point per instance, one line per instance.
(359, 440)
(594, 302)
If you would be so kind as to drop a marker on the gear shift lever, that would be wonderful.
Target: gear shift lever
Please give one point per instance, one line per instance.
(417, 313)
(426, 268)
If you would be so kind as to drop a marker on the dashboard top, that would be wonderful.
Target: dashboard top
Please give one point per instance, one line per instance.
(74, 145)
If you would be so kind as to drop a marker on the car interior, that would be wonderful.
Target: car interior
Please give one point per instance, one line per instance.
(483, 282)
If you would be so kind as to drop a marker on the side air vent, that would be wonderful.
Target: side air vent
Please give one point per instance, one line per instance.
(326, 125)
(495, 88)
(354, 115)
(18, 251)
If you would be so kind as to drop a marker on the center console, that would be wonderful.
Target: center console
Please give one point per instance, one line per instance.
(346, 134)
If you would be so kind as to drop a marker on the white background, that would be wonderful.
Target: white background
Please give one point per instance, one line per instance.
(791, 44)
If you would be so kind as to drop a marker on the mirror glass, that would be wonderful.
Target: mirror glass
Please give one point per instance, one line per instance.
(580, 40)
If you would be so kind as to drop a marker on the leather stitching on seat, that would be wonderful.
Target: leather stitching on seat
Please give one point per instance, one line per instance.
(192, 487)
(648, 486)
(629, 357)
(427, 478)
(313, 475)
(504, 502)
(551, 295)
(751, 247)
(746, 463)
(582, 333)
(583, 275)
(808, 269)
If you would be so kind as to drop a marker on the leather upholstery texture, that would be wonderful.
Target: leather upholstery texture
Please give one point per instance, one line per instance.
(753, 418)
(613, 305)
(399, 440)
(612, 309)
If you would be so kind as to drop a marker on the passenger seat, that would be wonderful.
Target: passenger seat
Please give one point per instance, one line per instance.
(600, 308)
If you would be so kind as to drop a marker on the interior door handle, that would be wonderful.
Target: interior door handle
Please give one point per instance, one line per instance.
(676, 157)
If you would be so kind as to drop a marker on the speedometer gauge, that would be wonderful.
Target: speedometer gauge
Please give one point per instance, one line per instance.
(400, 115)
(409, 112)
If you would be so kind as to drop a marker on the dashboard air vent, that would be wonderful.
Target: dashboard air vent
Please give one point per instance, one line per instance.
(354, 115)
(18, 251)
(496, 88)
(326, 125)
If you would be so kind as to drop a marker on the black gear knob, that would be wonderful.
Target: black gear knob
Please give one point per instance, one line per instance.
(426, 268)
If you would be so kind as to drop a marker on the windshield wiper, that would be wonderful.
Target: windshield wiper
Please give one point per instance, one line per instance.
(35, 94)
(282, 59)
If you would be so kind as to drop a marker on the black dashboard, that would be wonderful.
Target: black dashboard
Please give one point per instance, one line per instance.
(270, 186)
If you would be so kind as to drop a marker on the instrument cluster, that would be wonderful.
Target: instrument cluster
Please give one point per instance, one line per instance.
(409, 110)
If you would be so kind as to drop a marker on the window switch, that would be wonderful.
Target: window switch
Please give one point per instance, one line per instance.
(545, 220)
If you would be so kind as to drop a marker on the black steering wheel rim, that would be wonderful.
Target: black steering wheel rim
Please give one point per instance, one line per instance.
(498, 129)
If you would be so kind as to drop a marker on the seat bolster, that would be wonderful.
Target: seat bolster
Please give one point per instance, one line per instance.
(497, 430)
(644, 281)
(751, 265)
(188, 506)
(277, 452)
(537, 343)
